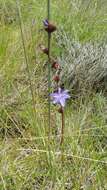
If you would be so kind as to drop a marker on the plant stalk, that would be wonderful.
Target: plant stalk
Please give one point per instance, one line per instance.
(63, 125)
(49, 71)
(26, 57)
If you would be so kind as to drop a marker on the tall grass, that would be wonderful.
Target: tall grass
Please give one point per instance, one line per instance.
(25, 161)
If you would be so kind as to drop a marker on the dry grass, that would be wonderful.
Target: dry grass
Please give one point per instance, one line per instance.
(28, 161)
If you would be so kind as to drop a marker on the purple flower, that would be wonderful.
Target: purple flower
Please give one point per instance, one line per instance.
(46, 23)
(60, 97)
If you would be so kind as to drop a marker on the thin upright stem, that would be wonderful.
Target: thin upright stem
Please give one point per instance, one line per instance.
(48, 9)
(49, 69)
(62, 128)
(26, 57)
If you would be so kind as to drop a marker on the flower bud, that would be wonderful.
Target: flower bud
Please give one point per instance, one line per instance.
(44, 49)
(55, 65)
(49, 27)
(56, 78)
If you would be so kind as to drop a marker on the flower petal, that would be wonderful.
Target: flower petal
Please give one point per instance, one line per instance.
(62, 102)
(45, 22)
(66, 96)
(60, 97)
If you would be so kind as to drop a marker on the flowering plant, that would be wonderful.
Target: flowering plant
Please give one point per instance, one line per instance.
(61, 95)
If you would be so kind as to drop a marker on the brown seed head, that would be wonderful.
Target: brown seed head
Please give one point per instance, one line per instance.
(55, 65)
(56, 78)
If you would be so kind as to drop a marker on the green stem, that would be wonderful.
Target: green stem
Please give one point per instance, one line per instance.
(49, 70)
(26, 57)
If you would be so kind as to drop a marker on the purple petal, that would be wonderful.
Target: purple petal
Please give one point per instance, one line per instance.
(59, 90)
(60, 97)
(54, 95)
(66, 96)
(66, 91)
(45, 22)
(62, 102)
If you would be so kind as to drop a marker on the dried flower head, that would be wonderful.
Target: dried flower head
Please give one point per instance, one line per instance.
(44, 49)
(60, 97)
(56, 78)
(55, 65)
(49, 27)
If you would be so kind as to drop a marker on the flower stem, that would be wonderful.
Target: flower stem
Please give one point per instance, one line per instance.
(62, 128)
(49, 71)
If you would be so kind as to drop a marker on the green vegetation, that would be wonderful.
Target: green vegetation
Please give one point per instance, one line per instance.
(27, 162)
